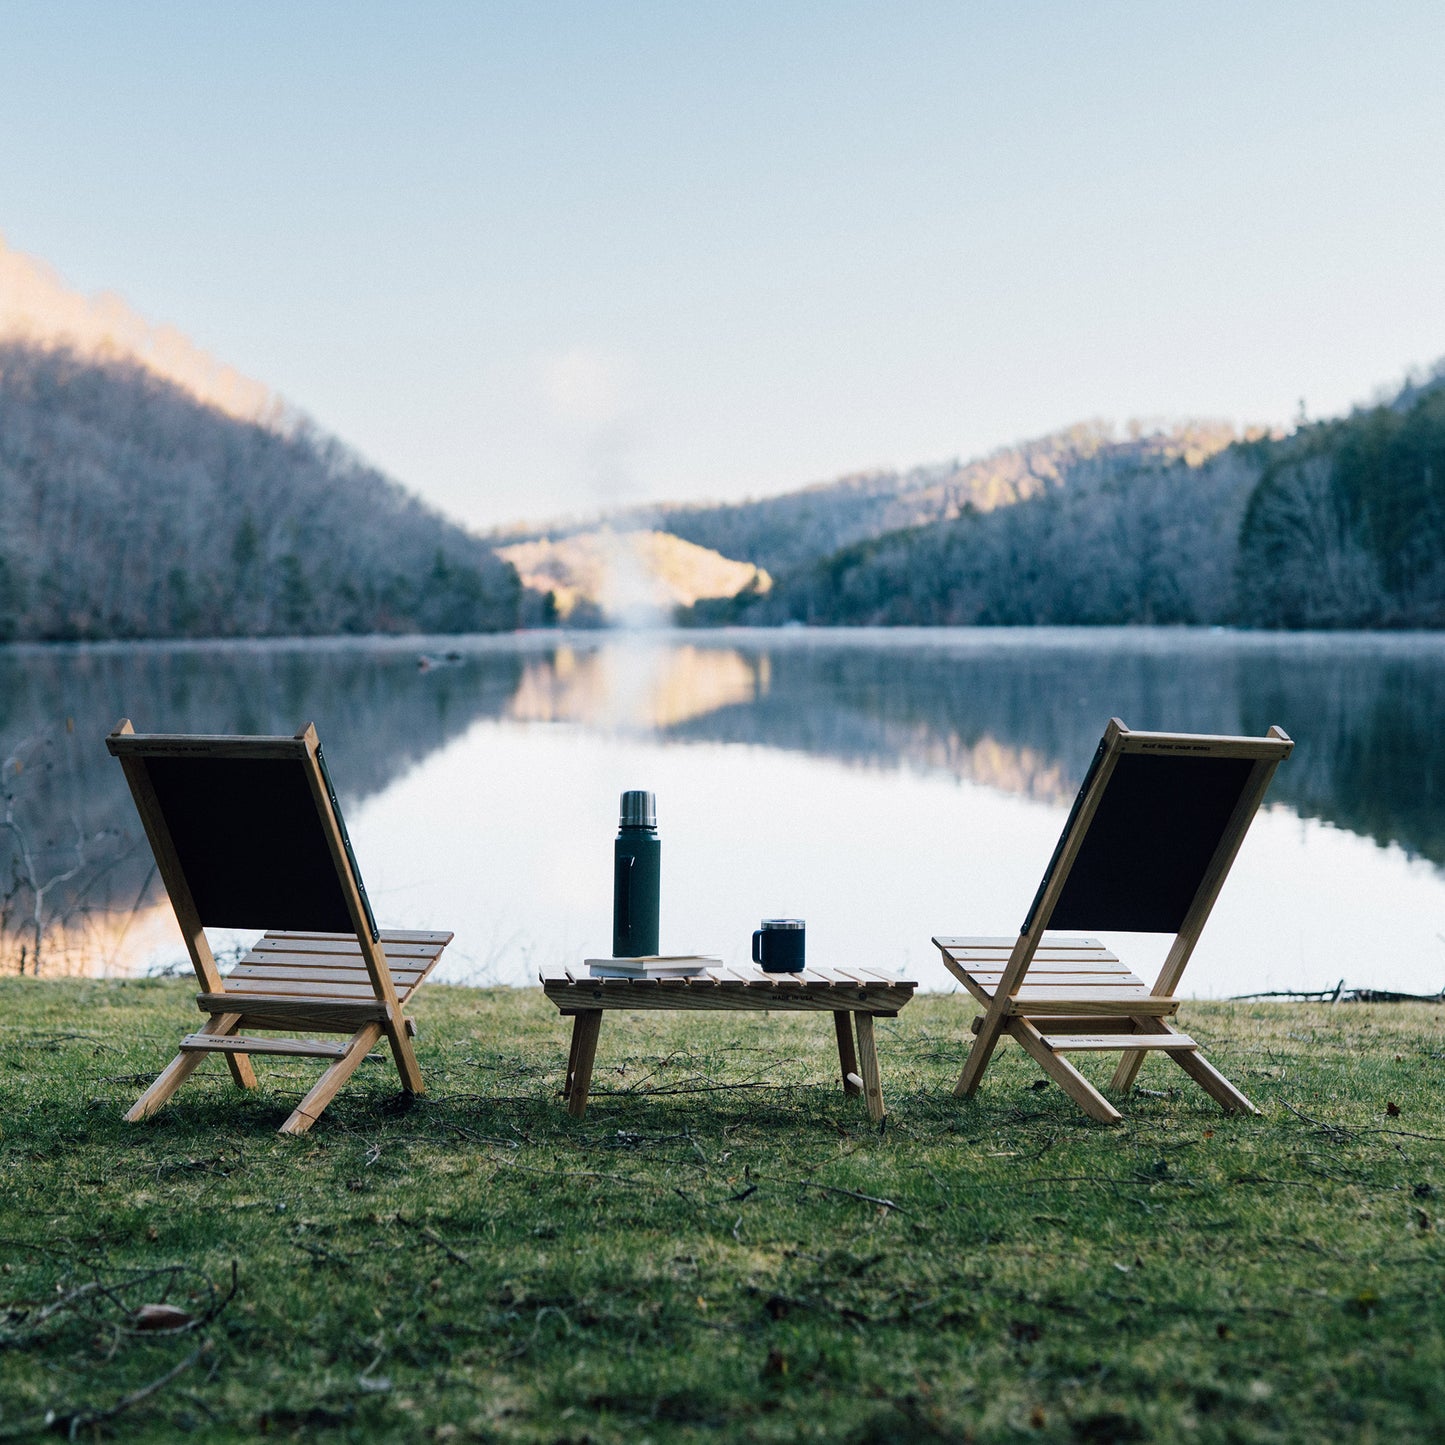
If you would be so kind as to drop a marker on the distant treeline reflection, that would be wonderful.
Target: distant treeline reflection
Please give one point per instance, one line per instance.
(1017, 713)
(1025, 714)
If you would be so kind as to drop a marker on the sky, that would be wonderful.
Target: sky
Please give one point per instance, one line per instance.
(544, 258)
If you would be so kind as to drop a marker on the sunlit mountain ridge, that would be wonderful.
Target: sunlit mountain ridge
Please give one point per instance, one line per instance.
(37, 307)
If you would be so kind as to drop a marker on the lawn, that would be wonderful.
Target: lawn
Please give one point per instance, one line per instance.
(724, 1248)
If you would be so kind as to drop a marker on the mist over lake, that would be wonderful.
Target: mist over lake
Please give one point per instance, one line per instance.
(884, 785)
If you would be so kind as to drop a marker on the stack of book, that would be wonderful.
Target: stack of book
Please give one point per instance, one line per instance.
(676, 965)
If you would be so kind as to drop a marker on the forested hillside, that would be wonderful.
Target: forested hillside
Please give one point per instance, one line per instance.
(131, 509)
(1136, 535)
(1347, 525)
(778, 533)
(1340, 524)
(784, 532)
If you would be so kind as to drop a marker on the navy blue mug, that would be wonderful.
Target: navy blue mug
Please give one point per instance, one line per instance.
(778, 945)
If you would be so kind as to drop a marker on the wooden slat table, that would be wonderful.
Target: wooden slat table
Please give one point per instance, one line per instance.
(854, 996)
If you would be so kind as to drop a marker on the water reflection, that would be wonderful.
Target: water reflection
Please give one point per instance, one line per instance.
(634, 684)
(1022, 710)
(78, 884)
(1014, 714)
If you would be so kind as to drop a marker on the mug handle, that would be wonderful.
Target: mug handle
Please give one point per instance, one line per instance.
(757, 945)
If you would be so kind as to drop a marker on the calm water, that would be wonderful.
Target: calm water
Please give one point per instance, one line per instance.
(883, 785)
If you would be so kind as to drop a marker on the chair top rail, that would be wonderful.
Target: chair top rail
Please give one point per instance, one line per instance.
(192, 745)
(1277, 744)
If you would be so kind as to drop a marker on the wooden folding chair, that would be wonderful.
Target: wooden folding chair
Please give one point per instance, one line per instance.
(1152, 834)
(247, 833)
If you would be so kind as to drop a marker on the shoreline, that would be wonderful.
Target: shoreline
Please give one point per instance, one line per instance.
(1126, 637)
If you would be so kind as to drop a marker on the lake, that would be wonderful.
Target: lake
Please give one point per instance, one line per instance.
(883, 785)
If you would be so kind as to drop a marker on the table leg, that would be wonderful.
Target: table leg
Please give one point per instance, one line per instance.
(868, 1062)
(571, 1062)
(847, 1055)
(579, 1066)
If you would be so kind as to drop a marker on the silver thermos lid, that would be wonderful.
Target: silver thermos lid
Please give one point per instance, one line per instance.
(639, 810)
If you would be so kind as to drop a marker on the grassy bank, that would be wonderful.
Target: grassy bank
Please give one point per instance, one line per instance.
(708, 1255)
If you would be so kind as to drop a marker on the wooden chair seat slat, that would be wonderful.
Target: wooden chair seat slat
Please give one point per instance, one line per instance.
(316, 977)
(289, 988)
(247, 1044)
(386, 936)
(318, 964)
(1064, 958)
(299, 1006)
(1094, 1023)
(1043, 979)
(320, 947)
(1059, 941)
(1119, 1004)
(1104, 1043)
(272, 958)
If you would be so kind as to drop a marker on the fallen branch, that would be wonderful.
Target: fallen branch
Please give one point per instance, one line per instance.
(84, 1418)
(98, 1290)
(1317, 995)
(432, 1237)
(684, 1089)
(835, 1189)
(1340, 994)
(1359, 1128)
(320, 1253)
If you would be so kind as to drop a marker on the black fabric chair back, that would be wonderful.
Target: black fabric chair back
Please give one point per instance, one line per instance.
(251, 844)
(1159, 823)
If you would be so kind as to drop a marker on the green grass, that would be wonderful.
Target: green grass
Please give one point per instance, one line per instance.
(694, 1260)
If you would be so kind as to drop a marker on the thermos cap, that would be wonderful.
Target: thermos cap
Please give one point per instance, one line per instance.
(782, 923)
(639, 810)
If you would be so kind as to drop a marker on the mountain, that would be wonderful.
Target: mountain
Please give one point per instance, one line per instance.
(38, 308)
(638, 575)
(134, 509)
(1137, 530)
(780, 533)
(787, 536)
(1339, 524)
(149, 490)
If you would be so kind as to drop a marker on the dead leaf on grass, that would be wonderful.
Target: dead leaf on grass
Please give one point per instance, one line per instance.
(161, 1317)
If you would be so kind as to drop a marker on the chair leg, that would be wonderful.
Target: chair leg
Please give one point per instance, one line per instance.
(847, 1055)
(1214, 1083)
(309, 1110)
(571, 1063)
(868, 1064)
(978, 1057)
(405, 1055)
(585, 1028)
(180, 1069)
(1064, 1074)
(243, 1075)
(1129, 1066)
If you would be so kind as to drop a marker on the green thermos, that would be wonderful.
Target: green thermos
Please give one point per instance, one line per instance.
(637, 870)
